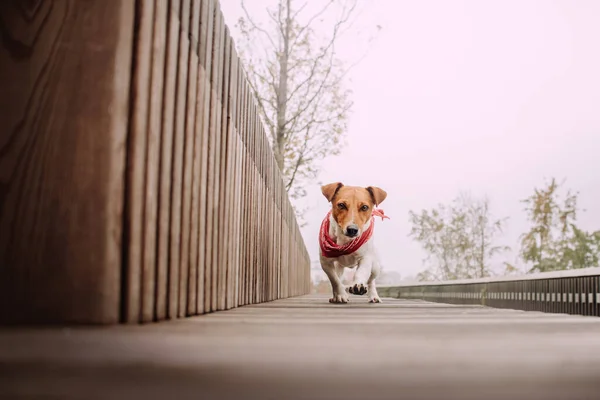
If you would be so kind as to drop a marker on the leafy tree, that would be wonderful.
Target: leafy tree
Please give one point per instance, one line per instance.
(538, 246)
(554, 242)
(581, 250)
(510, 269)
(298, 83)
(458, 238)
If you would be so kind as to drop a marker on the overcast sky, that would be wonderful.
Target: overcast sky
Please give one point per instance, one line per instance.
(488, 96)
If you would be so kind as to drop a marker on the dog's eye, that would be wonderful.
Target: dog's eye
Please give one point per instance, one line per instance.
(341, 206)
(364, 208)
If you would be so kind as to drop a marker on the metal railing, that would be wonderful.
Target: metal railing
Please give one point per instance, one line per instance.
(567, 292)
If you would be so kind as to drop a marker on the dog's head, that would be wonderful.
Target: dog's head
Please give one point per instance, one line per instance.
(351, 206)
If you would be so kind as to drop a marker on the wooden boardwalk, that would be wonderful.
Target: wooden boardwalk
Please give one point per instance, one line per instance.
(306, 348)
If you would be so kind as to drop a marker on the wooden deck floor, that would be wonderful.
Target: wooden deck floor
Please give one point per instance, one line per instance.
(305, 348)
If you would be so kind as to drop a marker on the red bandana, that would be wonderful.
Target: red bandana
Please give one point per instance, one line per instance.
(331, 249)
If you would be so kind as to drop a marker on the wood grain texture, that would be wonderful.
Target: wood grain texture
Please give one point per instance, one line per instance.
(64, 104)
(149, 269)
(218, 226)
(215, 149)
(152, 194)
(163, 305)
(224, 182)
(194, 148)
(254, 208)
(204, 74)
(177, 168)
(236, 173)
(245, 249)
(136, 161)
(209, 275)
(187, 154)
(421, 351)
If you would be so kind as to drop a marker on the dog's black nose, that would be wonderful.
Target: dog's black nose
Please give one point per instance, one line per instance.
(352, 230)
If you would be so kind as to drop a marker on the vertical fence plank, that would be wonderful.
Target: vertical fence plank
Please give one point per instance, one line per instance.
(149, 278)
(258, 206)
(188, 280)
(243, 194)
(185, 152)
(163, 304)
(248, 203)
(205, 73)
(255, 210)
(279, 234)
(224, 190)
(218, 227)
(240, 183)
(196, 275)
(62, 162)
(177, 168)
(232, 176)
(213, 150)
(136, 161)
(250, 208)
(272, 201)
(247, 196)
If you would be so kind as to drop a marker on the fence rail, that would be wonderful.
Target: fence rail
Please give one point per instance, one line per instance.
(568, 292)
(136, 180)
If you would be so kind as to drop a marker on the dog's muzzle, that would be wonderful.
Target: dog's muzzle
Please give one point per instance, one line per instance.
(351, 230)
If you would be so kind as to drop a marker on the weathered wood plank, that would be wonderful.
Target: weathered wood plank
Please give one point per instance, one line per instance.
(155, 100)
(232, 242)
(213, 167)
(163, 270)
(177, 171)
(224, 182)
(259, 226)
(188, 159)
(195, 145)
(237, 184)
(417, 350)
(245, 201)
(136, 161)
(62, 158)
(255, 209)
(205, 73)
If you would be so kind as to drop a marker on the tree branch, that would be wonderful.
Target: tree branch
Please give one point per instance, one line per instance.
(255, 26)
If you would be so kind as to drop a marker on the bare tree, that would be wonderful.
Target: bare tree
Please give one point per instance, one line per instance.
(298, 83)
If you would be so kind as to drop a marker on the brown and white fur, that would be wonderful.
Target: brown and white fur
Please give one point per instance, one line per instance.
(351, 209)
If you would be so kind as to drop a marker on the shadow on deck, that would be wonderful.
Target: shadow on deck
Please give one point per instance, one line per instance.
(306, 348)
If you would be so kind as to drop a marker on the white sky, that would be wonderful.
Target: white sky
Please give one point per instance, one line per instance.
(489, 96)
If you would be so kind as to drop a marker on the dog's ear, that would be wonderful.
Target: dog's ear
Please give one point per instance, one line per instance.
(330, 190)
(378, 195)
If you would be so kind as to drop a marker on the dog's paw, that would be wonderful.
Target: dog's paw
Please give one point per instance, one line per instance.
(339, 298)
(358, 289)
(375, 299)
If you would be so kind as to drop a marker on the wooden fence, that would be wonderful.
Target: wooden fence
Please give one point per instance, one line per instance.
(136, 179)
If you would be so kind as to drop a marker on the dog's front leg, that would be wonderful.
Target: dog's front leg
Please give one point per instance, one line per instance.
(339, 291)
(361, 277)
(373, 296)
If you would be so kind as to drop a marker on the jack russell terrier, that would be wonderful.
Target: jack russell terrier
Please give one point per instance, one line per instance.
(346, 239)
